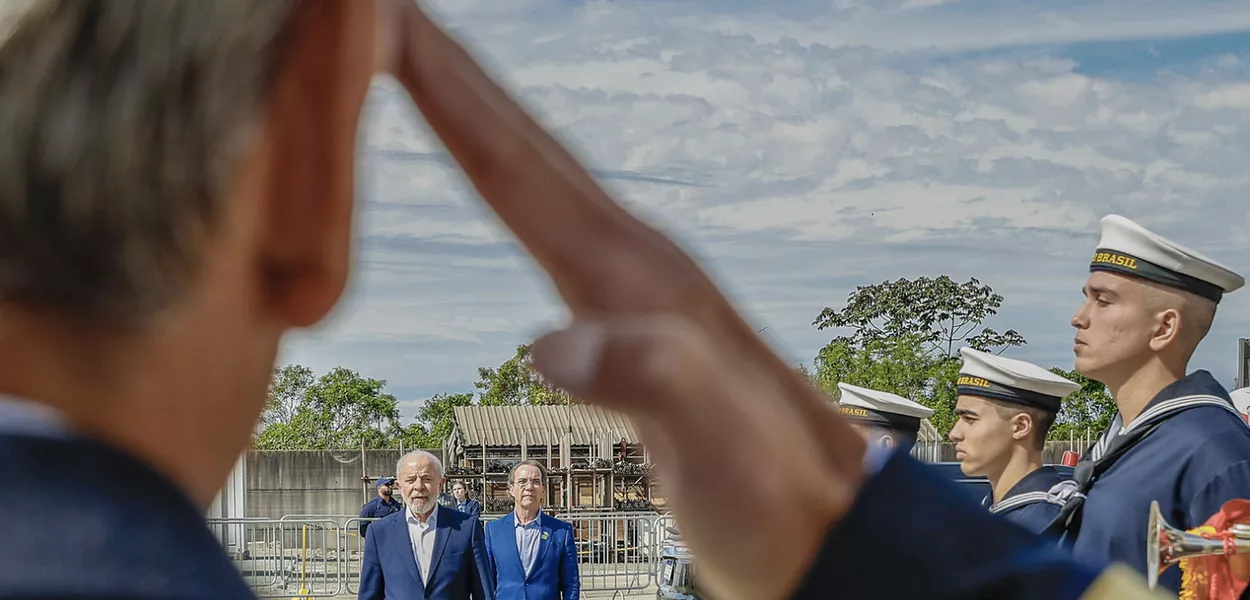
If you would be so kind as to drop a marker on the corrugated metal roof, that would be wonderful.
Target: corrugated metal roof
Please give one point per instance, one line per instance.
(541, 425)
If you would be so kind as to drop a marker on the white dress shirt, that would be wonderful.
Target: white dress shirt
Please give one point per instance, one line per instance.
(422, 536)
(527, 540)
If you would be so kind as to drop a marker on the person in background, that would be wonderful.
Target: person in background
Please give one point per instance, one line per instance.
(1004, 410)
(382, 505)
(428, 552)
(461, 500)
(533, 555)
(884, 419)
(1176, 437)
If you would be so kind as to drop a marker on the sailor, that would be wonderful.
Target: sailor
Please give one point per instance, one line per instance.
(1176, 439)
(1004, 411)
(885, 419)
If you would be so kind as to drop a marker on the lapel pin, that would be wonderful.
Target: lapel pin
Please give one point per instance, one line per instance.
(544, 535)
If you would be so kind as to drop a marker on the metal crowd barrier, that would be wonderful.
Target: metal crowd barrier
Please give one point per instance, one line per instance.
(285, 558)
(319, 556)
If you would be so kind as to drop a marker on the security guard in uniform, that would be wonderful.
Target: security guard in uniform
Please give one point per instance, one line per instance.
(1176, 438)
(884, 419)
(382, 505)
(1005, 409)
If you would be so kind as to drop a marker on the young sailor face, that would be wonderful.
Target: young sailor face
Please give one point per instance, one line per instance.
(1113, 326)
(983, 438)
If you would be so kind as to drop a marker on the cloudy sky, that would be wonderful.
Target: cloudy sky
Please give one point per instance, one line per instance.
(804, 147)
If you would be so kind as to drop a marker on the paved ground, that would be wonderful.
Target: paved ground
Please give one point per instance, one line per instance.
(603, 577)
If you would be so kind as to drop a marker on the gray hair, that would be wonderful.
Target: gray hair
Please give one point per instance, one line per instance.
(438, 464)
(542, 471)
(124, 124)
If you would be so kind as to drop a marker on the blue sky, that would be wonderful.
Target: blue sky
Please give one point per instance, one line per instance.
(804, 147)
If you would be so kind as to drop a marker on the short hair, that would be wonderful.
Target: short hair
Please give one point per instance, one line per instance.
(1043, 420)
(124, 124)
(438, 464)
(542, 471)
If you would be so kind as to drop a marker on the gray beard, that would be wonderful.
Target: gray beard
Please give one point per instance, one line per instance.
(423, 508)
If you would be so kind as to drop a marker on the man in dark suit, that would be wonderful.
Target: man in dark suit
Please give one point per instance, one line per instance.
(462, 502)
(533, 554)
(428, 552)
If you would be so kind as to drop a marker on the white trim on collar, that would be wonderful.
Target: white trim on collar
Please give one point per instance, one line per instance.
(23, 417)
(1021, 500)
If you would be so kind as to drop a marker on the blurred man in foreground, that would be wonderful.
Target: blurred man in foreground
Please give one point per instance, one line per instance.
(176, 193)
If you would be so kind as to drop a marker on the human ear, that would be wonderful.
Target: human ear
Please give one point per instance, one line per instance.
(1021, 426)
(1167, 329)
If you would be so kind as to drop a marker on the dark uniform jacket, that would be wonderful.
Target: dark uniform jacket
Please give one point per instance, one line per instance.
(1029, 503)
(129, 533)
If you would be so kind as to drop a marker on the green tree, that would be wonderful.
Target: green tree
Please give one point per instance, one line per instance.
(904, 337)
(341, 409)
(941, 314)
(286, 393)
(897, 364)
(438, 416)
(516, 382)
(1086, 412)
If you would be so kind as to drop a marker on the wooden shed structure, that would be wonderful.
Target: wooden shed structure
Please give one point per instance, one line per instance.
(594, 459)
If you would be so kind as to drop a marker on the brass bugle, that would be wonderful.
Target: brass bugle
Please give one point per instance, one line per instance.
(1166, 545)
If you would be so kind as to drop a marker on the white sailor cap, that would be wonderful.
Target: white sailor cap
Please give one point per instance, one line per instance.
(1241, 399)
(1130, 249)
(881, 409)
(1010, 380)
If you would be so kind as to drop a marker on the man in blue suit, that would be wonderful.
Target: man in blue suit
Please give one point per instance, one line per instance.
(462, 502)
(534, 555)
(428, 552)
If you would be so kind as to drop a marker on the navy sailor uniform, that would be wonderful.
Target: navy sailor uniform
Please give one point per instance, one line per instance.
(1029, 503)
(1189, 450)
(907, 514)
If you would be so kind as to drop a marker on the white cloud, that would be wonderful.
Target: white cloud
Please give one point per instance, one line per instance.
(803, 149)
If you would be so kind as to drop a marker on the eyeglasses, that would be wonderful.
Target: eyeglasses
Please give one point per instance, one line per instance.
(532, 482)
